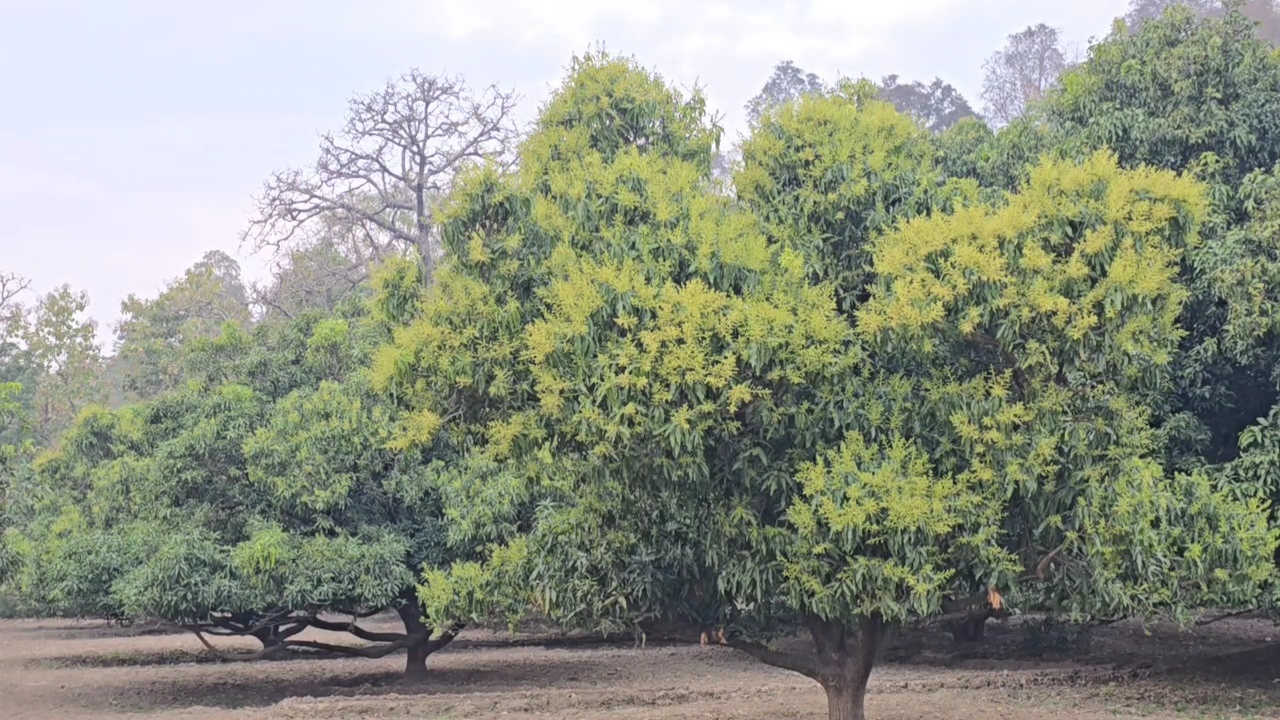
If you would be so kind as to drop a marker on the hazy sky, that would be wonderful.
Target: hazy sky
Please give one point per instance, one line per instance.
(134, 133)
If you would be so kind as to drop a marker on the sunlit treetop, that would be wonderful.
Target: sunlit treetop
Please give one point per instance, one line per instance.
(828, 171)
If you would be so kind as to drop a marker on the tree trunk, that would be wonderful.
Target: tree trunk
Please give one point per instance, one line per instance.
(269, 636)
(845, 663)
(415, 668)
(970, 629)
(845, 702)
(421, 644)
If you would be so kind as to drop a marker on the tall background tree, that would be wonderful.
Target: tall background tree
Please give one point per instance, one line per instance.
(66, 360)
(787, 83)
(317, 276)
(17, 370)
(1021, 73)
(373, 191)
(937, 106)
(152, 334)
(1266, 13)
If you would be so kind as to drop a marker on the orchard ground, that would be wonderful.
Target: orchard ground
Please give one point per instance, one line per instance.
(70, 669)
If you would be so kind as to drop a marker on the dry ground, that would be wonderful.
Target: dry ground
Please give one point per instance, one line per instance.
(66, 669)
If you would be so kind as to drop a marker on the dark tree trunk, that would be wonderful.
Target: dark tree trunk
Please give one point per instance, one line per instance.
(842, 664)
(415, 668)
(970, 629)
(421, 645)
(845, 664)
(846, 703)
(269, 636)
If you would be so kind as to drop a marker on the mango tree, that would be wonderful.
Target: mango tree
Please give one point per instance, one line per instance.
(260, 499)
(673, 408)
(1196, 95)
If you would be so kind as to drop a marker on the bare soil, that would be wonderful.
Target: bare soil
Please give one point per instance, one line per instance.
(68, 669)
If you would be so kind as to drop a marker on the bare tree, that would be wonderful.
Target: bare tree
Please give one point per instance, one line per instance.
(11, 286)
(377, 179)
(315, 276)
(1030, 63)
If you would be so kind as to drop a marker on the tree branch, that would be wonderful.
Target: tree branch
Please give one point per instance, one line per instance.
(11, 285)
(445, 638)
(365, 652)
(263, 654)
(356, 630)
(803, 664)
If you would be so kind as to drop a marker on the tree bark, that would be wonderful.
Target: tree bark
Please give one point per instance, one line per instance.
(969, 629)
(845, 663)
(415, 669)
(845, 702)
(269, 636)
(842, 664)
(421, 644)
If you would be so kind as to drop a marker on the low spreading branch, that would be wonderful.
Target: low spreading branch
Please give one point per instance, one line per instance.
(803, 664)
(387, 643)
(358, 651)
(263, 654)
(356, 630)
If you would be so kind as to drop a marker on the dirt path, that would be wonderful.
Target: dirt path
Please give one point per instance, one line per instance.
(63, 669)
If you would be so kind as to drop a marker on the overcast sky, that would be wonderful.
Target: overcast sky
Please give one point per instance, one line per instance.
(134, 133)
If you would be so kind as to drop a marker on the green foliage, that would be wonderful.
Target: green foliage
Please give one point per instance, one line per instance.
(998, 161)
(63, 360)
(262, 486)
(854, 398)
(1241, 270)
(1179, 93)
(609, 108)
(899, 371)
(153, 335)
(828, 172)
(15, 456)
(1198, 95)
(1010, 344)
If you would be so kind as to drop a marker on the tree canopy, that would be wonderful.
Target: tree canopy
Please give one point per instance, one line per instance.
(679, 410)
(152, 334)
(255, 499)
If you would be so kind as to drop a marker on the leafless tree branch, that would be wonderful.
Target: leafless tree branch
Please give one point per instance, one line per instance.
(11, 286)
(1020, 74)
(380, 176)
